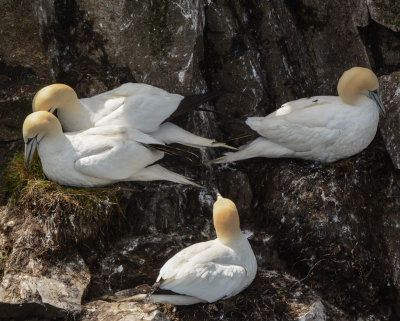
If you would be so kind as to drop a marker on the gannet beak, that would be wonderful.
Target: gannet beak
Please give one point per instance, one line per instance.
(219, 196)
(30, 147)
(374, 95)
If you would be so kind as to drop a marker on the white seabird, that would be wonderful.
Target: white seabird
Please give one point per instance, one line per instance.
(139, 106)
(322, 128)
(209, 271)
(93, 157)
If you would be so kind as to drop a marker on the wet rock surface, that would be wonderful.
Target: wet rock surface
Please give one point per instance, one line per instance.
(325, 236)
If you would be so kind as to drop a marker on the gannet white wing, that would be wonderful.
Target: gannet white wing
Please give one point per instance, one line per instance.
(143, 112)
(129, 89)
(141, 106)
(169, 269)
(101, 131)
(303, 103)
(108, 101)
(125, 132)
(119, 162)
(208, 281)
(303, 128)
(203, 270)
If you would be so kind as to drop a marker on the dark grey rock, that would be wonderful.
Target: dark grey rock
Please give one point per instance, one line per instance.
(389, 124)
(45, 291)
(333, 227)
(385, 13)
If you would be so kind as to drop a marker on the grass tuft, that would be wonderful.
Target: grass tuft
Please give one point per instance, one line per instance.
(65, 215)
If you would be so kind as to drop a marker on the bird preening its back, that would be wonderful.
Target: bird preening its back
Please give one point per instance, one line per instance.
(212, 270)
(94, 157)
(143, 107)
(321, 128)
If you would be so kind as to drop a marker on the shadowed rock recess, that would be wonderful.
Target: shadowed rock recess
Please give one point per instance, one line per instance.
(326, 237)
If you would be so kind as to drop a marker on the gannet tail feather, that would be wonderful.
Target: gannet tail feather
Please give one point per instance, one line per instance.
(259, 147)
(189, 103)
(175, 299)
(169, 133)
(157, 172)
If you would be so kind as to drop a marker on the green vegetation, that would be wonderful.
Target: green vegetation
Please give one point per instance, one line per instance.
(18, 177)
(55, 219)
(78, 214)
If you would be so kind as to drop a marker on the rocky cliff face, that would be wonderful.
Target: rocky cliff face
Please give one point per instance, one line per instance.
(326, 236)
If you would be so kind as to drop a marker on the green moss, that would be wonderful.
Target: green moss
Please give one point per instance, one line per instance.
(17, 176)
(79, 214)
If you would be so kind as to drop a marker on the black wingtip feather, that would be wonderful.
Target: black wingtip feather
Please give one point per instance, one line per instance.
(191, 102)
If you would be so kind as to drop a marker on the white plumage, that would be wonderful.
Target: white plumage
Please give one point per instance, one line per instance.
(93, 157)
(323, 128)
(213, 270)
(210, 271)
(138, 106)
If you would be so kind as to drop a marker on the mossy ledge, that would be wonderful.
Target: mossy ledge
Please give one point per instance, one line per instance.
(43, 218)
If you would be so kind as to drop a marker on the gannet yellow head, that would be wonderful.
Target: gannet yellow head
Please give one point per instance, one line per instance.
(359, 81)
(54, 96)
(36, 126)
(226, 220)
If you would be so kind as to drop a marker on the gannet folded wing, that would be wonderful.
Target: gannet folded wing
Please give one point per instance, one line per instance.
(143, 112)
(127, 132)
(169, 269)
(119, 162)
(300, 130)
(203, 270)
(108, 101)
(302, 103)
(209, 281)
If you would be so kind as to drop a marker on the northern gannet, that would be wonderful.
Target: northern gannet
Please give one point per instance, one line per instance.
(209, 271)
(93, 157)
(322, 128)
(139, 106)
